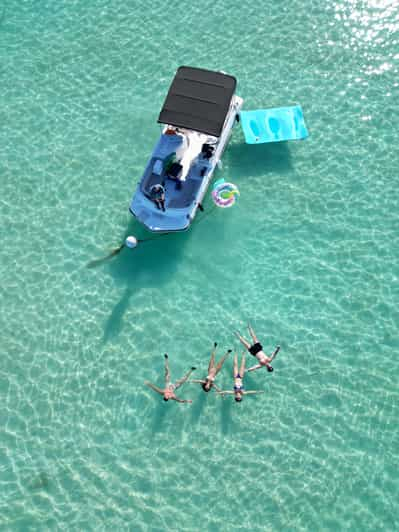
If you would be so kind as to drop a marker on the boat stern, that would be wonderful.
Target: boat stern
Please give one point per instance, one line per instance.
(156, 220)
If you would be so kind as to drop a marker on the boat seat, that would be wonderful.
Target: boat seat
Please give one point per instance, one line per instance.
(153, 177)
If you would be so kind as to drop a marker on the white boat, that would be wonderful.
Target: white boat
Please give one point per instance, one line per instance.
(198, 115)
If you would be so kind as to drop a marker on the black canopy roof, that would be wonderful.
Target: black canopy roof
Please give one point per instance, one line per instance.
(198, 99)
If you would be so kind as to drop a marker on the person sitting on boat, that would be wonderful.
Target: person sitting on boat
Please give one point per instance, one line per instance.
(209, 381)
(238, 390)
(256, 349)
(169, 391)
(157, 195)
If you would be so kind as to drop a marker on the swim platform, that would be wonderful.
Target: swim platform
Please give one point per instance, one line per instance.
(273, 125)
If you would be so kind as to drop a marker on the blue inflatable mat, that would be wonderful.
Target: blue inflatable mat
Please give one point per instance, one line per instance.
(273, 125)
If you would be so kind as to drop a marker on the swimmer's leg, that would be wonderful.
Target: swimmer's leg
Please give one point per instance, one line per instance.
(212, 360)
(253, 335)
(242, 340)
(184, 378)
(221, 362)
(242, 368)
(167, 372)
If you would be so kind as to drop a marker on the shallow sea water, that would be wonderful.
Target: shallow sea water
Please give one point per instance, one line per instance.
(309, 255)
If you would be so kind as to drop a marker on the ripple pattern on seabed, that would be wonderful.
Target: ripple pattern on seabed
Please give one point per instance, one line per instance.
(308, 255)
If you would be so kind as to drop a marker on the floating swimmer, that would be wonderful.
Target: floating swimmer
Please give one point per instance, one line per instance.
(169, 391)
(239, 390)
(256, 349)
(209, 381)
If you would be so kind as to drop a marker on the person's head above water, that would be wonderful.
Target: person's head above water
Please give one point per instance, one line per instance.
(237, 395)
(207, 385)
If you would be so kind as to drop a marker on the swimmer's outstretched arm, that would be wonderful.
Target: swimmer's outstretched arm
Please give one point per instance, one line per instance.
(275, 353)
(216, 388)
(182, 400)
(253, 368)
(155, 388)
(226, 392)
(252, 392)
(200, 381)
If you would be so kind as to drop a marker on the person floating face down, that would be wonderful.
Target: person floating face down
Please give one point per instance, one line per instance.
(157, 195)
(213, 370)
(169, 391)
(238, 389)
(256, 349)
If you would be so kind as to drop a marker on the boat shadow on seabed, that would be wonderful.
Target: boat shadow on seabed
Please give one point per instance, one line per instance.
(155, 260)
(260, 159)
(151, 264)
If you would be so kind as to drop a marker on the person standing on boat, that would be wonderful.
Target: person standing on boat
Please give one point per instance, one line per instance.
(169, 391)
(238, 389)
(213, 370)
(256, 349)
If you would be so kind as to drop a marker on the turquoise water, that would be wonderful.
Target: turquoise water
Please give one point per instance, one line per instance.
(309, 256)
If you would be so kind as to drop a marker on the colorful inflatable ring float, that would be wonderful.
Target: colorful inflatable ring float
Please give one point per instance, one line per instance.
(225, 194)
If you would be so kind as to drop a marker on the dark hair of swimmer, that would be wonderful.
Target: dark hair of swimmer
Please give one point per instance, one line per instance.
(165, 399)
(269, 368)
(205, 388)
(238, 399)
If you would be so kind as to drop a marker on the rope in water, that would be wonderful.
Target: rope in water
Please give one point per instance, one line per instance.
(132, 242)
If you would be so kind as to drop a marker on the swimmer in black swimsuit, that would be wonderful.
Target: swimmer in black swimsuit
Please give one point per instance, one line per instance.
(256, 349)
(238, 389)
(209, 381)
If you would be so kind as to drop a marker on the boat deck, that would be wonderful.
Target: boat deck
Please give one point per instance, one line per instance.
(182, 193)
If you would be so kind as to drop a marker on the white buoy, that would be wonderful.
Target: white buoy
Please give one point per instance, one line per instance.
(131, 242)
